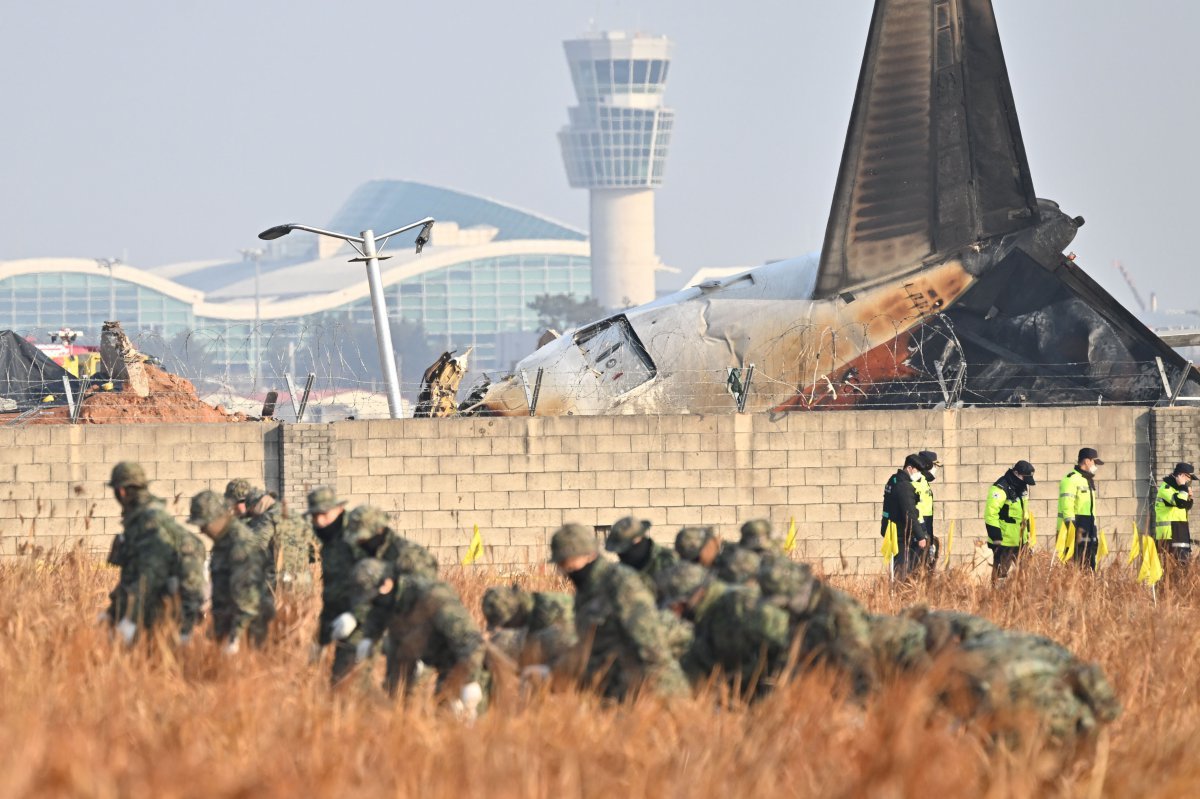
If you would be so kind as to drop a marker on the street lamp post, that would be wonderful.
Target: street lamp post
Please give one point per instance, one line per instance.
(368, 246)
(255, 254)
(109, 263)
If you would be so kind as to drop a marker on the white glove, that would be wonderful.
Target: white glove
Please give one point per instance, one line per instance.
(363, 650)
(185, 639)
(418, 670)
(342, 626)
(102, 618)
(126, 630)
(232, 648)
(470, 697)
(314, 654)
(538, 672)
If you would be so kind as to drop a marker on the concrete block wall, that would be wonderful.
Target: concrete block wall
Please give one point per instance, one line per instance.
(52, 477)
(1176, 436)
(519, 479)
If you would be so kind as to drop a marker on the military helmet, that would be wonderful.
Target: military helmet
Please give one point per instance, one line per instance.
(323, 499)
(679, 582)
(128, 473)
(207, 506)
(506, 606)
(738, 565)
(238, 490)
(624, 532)
(756, 535)
(256, 495)
(691, 540)
(571, 541)
(365, 522)
(780, 577)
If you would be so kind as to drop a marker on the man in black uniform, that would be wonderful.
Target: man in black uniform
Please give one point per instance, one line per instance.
(900, 507)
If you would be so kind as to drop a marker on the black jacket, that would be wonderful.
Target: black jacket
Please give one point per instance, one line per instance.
(900, 506)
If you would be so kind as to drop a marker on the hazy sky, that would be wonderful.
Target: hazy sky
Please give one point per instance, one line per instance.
(176, 131)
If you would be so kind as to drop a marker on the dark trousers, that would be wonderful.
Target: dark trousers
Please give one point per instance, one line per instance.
(910, 559)
(1087, 542)
(1003, 559)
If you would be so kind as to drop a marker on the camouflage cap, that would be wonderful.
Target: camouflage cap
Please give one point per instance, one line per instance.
(756, 535)
(506, 606)
(237, 490)
(624, 532)
(256, 494)
(206, 507)
(679, 582)
(690, 540)
(128, 473)
(365, 521)
(571, 541)
(323, 499)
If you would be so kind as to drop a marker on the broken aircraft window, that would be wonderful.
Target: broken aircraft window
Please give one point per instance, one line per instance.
(614, 355)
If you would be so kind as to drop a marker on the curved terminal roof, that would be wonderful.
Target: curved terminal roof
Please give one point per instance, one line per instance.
(382, 205)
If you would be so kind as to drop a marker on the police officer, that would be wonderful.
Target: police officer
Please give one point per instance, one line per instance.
(925, 506)
(900, 506)
(1171, 507)
(1006, 517)
(1077, 505)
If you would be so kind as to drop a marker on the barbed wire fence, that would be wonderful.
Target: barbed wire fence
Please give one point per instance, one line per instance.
(330, 370)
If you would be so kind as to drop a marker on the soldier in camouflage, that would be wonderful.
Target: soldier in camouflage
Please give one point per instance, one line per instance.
(698, 545)
(242, 604)
(236, 493)
(734, 631)
(287, 541)
(629, 541)
(829, 627)
(426, 625)
(623, 645)
(1016, 679)
(328, 515)
(740, 563)
(529, 628)
(161, 562)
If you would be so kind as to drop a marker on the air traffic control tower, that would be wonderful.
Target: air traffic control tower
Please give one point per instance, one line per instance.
(616, 147)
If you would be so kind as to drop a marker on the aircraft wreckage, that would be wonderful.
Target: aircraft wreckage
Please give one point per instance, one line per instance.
(942, 278)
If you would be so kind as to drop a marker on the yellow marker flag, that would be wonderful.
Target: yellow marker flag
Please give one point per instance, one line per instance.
(475, 550)
(1032, 532)
(891, 544)
(1152, 569)
(1135, 549)
(949, 542)
(790, 543)
(1060, 541)
(1102, 547)
(1070, 553)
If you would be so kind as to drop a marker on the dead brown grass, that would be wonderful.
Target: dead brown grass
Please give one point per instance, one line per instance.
(80, 717)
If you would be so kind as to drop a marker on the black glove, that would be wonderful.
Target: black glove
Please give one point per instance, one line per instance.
(994, 535)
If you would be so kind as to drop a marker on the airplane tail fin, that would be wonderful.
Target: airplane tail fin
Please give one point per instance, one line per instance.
(934, 159)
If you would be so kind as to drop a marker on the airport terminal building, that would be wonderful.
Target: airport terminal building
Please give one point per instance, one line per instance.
(469, 288)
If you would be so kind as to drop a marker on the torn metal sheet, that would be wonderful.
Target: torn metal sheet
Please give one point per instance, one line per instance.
(439, 386)
(942, 278)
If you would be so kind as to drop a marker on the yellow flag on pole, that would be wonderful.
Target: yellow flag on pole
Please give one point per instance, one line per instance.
(1061, 544)
(891, 544)
(1102, 547)
(475, 550)
(1032, 532)
(949, 542)
(1135, 549)
(789, 543)
(1152, 570)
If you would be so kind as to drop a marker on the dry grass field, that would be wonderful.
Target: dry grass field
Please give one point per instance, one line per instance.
(80, 717)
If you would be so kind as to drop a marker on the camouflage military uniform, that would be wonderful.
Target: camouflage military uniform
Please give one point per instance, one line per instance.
(898, 643)
(367, 531)
(242, 604)
(287, 542)
(529, 628)
(945, 629)
(734, 631)
(428, 623)
(338, 589)
(831, 628)
(737, 565)
(629, 540)
(691, 541)
(160, 561)
(1013, 677)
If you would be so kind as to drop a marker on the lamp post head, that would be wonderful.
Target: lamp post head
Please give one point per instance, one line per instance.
(423, 236)
(279, 231)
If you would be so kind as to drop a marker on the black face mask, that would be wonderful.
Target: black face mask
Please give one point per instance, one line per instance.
(638, 554)
(372, 545)
(582, 574)
(334, 526)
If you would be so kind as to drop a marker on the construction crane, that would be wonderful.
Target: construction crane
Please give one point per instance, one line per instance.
(1137, 295)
